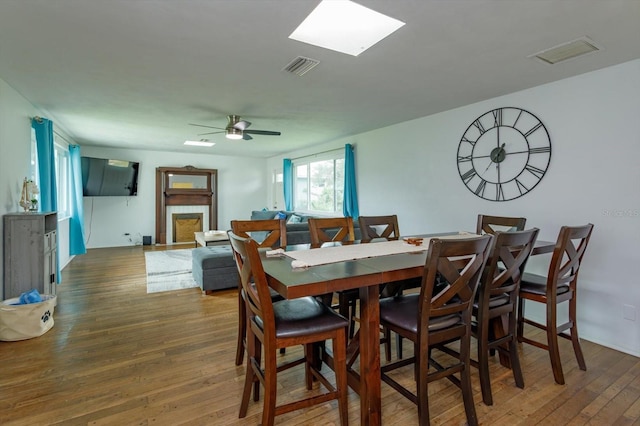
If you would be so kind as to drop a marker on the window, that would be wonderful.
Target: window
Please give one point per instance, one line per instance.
(319, 183)
(62, 161)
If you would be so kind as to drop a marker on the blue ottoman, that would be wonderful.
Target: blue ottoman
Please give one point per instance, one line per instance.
(214, 268)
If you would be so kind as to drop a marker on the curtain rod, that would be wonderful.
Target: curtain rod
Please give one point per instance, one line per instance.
(317, 153)
(37, 118)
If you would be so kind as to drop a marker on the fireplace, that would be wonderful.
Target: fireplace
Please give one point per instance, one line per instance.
(185, 190)
(184, 225)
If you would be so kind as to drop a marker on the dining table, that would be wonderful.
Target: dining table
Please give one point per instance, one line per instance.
(365, 274)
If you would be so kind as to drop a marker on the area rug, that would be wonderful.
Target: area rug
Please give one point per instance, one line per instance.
(169, 270)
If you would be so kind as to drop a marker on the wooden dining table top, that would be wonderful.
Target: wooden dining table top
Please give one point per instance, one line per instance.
(365, 274)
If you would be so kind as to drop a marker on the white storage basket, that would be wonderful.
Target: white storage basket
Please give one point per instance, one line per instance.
(20, 322)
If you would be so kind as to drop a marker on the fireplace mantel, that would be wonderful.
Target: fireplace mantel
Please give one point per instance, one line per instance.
(184, 186)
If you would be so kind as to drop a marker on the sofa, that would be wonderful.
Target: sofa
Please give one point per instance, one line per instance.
(213, 267)
(297, 224)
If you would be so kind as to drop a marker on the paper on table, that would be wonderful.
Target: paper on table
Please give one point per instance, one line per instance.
(297, 264)
(276, 252)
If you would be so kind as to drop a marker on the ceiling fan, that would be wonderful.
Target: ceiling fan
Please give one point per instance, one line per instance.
(237, 128)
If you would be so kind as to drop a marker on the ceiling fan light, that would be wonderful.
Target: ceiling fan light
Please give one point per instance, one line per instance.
(234, 134)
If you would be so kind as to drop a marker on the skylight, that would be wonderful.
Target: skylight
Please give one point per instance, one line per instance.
(345, 26)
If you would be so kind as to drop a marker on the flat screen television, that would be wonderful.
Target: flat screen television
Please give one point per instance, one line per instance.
(107, 177)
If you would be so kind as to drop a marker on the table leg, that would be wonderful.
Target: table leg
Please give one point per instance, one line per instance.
(370, 399)
(498, 327)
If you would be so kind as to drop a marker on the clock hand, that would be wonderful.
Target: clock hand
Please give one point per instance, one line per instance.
(497, 155)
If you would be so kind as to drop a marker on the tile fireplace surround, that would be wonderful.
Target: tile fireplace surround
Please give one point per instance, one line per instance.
(188, 211)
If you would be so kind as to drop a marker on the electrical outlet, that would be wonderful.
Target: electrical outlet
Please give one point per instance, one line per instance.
(629, 312)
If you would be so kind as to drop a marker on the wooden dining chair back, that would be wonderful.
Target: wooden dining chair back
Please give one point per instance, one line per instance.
(497, 298)
(271, 233)
(274, 325)
(558, 286)
(373, 227)
(438, 316)
(331, 230)
(490, 224)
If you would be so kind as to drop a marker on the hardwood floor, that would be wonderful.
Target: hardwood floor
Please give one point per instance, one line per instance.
(120, 356)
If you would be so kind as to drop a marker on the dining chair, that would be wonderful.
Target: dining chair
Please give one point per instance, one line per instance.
(274, 325)
(490, 224)
(331, 230)
(432, 318)
(497, 298)
(271, 233)
(373, 228)
(336, 230)
(558, 286)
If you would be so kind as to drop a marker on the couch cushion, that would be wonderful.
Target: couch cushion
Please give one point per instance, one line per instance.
(213, 257)
(262, 214)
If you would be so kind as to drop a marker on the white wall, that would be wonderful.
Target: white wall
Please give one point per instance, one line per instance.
(593, 121)
(15, 157)
(241, 189)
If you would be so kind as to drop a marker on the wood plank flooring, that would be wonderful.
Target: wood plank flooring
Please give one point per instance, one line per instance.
(120, 356)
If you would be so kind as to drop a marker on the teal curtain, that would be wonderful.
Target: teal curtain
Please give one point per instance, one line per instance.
(47, 173)
(76, 222)
(46, 164)
(287, 183)
(350, 204)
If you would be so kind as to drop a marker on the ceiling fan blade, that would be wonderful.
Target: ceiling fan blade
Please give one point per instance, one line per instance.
(263, 132)
(202, 125)
(242, 125)
(246, 137)
(210, 133)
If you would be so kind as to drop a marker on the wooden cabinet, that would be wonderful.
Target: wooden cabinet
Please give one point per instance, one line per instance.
(30, 241)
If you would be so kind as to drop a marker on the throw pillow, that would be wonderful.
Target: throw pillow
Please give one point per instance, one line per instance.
(294, 219)
(261, 215)
(280, 215)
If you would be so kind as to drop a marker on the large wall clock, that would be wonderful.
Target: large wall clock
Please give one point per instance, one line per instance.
(504, 154)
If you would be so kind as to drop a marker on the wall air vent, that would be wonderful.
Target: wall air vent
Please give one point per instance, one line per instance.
(300, 65)
(568, 50)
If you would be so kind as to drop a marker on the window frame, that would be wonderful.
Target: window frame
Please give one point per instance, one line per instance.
(62, 161)
(337, 197)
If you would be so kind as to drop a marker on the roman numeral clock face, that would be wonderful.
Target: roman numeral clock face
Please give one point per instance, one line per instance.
(504, 154)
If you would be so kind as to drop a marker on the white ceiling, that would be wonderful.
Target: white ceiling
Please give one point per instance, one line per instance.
(134, 73)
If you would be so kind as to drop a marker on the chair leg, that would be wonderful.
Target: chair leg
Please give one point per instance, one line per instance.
(515, 363)
(310, 359)
(552, 341)
(340, 359)
(575, 340)
(352, 317)
(387, 344)
(421, 372)
(465, 379)
(250, 378)
(257, 356)
(483, 363)
(270, 389)
(520, 319)
(399, 346)
(242, 329)
(514, 358)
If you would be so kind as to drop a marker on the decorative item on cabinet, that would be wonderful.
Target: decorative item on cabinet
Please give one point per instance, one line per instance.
(28, 199)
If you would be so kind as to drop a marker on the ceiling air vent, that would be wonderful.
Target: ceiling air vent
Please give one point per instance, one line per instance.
(568, 50)
(300, 65)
